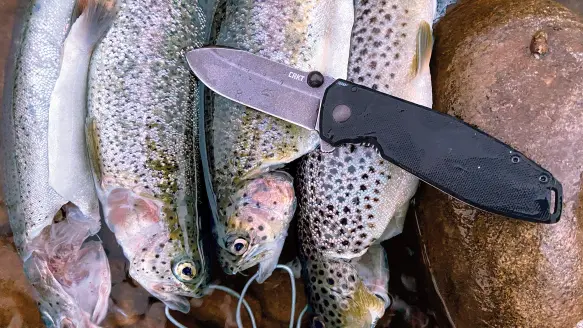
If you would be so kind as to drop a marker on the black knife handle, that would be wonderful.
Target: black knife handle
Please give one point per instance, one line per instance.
(442, 151)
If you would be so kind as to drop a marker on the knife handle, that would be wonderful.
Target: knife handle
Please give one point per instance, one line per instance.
(442, 151)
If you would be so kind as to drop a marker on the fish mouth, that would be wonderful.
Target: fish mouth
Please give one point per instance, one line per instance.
(267, 255)
(254, 256)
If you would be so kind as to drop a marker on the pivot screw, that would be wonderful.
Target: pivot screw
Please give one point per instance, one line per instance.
(315, 79)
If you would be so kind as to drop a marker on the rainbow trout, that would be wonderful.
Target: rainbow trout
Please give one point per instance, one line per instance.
(142, 135)
(255, 201)
(51, 228)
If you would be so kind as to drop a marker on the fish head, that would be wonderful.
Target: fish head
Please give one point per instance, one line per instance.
(170, 272)
(338, 297)
(257, 220)
(163, 244)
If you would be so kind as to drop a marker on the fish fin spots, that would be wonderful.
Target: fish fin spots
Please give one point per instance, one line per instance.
(423, 50)
(95, 17)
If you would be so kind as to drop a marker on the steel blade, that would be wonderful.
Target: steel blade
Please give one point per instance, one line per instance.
(259, 83)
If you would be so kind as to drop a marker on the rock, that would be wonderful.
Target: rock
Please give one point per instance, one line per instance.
(218, 310)
(272, 323)
(155, 317)
(118, 267)
(575, 5)
(489, 270)
(184, 319)
(130, 302)
(17, 306)
(275, 296)
(4, 224)
(8, 8)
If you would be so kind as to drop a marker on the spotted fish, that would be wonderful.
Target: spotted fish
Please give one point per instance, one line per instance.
(32, 203)
(351, 199)
(70, 274)
(349, 294)
(143, 140)
(246, 145)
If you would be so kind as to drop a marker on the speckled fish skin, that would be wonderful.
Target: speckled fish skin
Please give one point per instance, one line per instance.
(142, 131)
(244, 143)
(50, 233)
(352, 199)
(31, 202)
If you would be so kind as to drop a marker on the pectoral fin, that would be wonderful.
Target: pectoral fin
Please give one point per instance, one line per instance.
(423, 50)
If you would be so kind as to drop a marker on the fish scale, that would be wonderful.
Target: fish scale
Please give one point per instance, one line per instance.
(351, 199)
(142, 131)
(246, 146)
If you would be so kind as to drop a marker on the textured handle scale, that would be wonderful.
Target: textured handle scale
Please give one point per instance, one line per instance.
(442, 151)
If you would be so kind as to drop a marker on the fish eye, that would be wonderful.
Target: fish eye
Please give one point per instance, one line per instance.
(239, 246)
(185, 270)
(317, 323)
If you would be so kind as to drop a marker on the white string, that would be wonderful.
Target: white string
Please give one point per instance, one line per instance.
(240, 297)
(250, 281)
(299, 324)
(171, 318)
(226, 290)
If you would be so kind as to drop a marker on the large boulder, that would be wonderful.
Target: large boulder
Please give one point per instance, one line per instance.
(514, 68)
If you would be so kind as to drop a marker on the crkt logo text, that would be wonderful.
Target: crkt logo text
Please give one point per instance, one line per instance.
(296, 76)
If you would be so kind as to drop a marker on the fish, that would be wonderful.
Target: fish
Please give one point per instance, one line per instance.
(351, 199)
(142, 135)
(244, 145)
(349, 294)
(69, 272)
(30, 201)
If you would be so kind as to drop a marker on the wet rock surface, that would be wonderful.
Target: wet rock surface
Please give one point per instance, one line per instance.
(489, 270)
(17, 307)
(218, 310)
(275, 296)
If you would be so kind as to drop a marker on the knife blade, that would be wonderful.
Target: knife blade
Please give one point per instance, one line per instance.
(441, 150)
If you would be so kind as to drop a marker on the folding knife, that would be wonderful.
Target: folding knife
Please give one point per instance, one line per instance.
(439, 149)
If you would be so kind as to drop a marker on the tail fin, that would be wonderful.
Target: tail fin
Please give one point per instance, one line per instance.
(93, 20)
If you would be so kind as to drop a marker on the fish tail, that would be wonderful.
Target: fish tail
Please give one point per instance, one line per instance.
(93, 20)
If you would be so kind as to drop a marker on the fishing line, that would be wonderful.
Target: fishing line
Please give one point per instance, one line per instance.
(250, 281)
(299, 324)
(241, 299)
(171, 318)
(226, 290)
